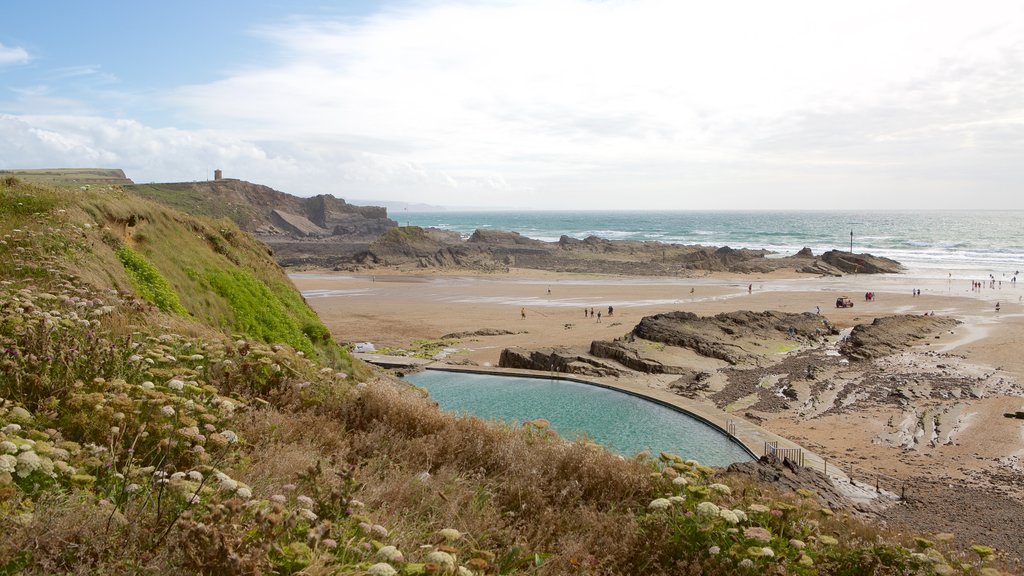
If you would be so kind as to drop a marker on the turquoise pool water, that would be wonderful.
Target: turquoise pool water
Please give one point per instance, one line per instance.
(624, 423)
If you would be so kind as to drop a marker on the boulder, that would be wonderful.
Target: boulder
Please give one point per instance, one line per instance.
(860, 263)
(562, 360)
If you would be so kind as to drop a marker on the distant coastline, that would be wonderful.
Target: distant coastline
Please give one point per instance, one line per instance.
(963, 244)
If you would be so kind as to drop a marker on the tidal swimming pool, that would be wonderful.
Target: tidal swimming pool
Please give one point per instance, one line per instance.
(624, 423)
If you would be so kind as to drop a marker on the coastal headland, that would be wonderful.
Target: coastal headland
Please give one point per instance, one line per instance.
(914, 403)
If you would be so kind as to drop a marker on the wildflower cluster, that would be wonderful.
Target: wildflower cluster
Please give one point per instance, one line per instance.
(735, 531)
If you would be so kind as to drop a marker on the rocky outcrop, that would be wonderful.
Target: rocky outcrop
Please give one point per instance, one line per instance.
(790, 479)
(890, 334)
(860, 263)
(720, 259)
(271, 214)
(734, 337)
(631, 358)
(562, 360)
(296, 225)
(725, 336)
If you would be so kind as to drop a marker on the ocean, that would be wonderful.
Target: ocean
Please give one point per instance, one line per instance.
(931, 244)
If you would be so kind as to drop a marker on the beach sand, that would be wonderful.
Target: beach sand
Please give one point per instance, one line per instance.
(919, 443)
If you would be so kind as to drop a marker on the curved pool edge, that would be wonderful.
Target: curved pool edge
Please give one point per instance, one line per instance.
(751, 437)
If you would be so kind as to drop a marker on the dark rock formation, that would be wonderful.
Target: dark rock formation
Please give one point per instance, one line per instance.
(735, 337)
(860, 263)
(563, 360)
(620, 352)
(720, 336)
(891, 334)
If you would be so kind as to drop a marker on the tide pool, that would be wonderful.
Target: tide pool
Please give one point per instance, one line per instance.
(626, 424)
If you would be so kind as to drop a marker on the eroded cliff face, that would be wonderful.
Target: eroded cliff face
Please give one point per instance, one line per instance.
(272, 214)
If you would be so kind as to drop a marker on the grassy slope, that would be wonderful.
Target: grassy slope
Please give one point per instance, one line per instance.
(185, 198)
(70, 176)
(141, 440)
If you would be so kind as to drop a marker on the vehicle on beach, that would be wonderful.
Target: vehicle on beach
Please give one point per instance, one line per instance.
(844, 302)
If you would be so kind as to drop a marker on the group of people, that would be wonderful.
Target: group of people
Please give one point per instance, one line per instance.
(589, 313)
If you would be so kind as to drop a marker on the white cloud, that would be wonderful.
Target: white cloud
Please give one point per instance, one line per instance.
(15, 55)
(615, 104)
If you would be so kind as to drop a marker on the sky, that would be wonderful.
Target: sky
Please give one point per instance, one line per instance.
(531, 104)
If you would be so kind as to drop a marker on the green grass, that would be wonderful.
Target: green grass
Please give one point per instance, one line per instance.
(188, 199)
(148, 281)
(263, 313)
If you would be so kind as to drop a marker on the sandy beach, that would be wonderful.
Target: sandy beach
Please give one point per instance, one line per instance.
(918, 433)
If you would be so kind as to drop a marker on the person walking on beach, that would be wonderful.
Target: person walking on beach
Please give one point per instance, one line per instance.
(599, 317)
(750, 288)
(610, 310)
(586, 312)
(591, 312)
(522, 312)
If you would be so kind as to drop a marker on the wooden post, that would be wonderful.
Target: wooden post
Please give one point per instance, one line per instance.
(851, 241)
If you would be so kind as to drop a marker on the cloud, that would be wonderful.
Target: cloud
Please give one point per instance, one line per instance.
(614, 104)
(567, 96)
(15, 55)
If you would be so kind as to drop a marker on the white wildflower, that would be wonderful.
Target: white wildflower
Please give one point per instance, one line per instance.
(659, 504)
(721, 489)
(443, 558)
(305, 501)
(20, 414)
(12, 428)
(677, 500)
(8, 447)
(740, 514)
(449, 534)
(714, 550)
(147, 385)
(767, 552)
(378, 530)
(227, 483)
(707, 510)
(308, 515)
(167, 410)
(391, 554)
(195, 475)
(178, 476)
(729, 516)
(8, 464)
(746, 563)
(132, 488)
(278, 498)
(680, 481)
(231, 436)
(244, 492)
(28, 462)
(381, 569)
(176, 385)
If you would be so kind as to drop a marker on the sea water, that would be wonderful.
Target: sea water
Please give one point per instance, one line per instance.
(938, 244)
(624, 423)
